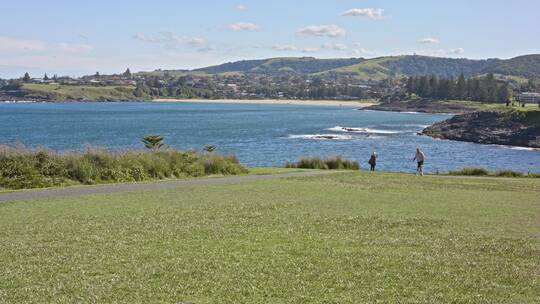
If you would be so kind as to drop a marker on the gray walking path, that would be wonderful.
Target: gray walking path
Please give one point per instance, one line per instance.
(117, 188)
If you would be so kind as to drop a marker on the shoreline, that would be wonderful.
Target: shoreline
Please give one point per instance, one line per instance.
(307, 102)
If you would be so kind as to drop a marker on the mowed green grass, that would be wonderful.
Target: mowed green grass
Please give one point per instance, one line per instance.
(337, 238)
(79, 92)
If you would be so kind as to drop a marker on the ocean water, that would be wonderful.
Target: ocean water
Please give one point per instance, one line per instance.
(260, 135)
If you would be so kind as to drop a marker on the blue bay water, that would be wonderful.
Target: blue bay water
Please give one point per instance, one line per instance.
(260, 135)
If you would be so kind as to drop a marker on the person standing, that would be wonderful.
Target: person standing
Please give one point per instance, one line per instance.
(373, 161)
(419, 157)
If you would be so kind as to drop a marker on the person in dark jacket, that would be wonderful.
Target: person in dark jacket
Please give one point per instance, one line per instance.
(373, 161)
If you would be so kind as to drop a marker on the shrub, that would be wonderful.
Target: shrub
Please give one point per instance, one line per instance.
(137, 173)
(23, 168)
(221, 165)
(19, 173)
(484, 172)
(83, 171)
(470, 171)
(330, 163)
(508, 173)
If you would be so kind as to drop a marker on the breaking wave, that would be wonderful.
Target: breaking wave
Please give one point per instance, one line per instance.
(362, 130)
(518, 148)
(322, 136)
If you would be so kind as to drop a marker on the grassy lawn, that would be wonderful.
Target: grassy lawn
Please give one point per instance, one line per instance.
(79, 92)
(338, 238)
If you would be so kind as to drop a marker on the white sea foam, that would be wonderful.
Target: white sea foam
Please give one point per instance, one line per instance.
(321, 136)
(417, 126)
(518, 148)
(361, 130)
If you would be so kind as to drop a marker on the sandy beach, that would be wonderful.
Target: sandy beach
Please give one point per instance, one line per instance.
(334, 103)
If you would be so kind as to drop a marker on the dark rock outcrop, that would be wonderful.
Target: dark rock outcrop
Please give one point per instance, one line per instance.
(514, 128)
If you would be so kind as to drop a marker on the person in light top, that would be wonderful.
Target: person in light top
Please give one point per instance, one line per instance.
(419, 157)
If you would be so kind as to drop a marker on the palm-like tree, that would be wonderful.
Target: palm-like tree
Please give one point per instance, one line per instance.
(153, 142)
(209, 148)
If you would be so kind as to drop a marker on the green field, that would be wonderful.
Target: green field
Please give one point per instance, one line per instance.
(337, 238)
(78, 92)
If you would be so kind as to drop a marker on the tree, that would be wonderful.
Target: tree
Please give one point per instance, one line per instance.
(490, 86)
(127, 73)
(141, 90)
(432, 87)
(410, 85)
(209, 148)
(423, 87)
(45, 77)
(531, 86)
(153, 142)
(26, 77)
(503, 93)
(461, 88)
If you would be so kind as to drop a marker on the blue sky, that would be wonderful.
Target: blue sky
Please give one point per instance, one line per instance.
(80, 37)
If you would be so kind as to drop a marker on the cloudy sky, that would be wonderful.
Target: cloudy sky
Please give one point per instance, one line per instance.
(81, 37)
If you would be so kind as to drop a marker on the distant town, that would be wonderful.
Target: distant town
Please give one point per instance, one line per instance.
(290, 78)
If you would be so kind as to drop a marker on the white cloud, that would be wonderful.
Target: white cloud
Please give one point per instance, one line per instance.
(428, 40)
(242, 26)
(241, 7)
(76, 48)
(334, 46)
(280, 47)
(171, 39)
(457, 51)
(371, 13)
(362, 52)
(331, 30)
(309, 50)
(10, 45)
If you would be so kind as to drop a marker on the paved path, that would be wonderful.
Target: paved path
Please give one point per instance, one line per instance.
(116, 188)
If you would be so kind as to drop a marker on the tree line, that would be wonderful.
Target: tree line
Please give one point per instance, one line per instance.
(485, 89)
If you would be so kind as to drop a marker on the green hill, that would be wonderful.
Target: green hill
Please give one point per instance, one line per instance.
(527, 66)
(302, 65)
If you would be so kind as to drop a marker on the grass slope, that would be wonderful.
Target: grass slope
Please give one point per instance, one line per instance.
(372, 69)
(339, 238)
(302, 65)
(517, 69)
(78, 92)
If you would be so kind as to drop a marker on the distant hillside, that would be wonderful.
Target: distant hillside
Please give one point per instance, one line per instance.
(444, 67)
(384, 67)
(302, 65)
(527, 66)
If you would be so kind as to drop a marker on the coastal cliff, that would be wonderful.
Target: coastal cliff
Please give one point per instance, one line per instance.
(511, 127)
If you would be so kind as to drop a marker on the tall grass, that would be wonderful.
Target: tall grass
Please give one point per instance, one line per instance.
(22, 168)
(485, 172)
(329, 163)
(470, 171)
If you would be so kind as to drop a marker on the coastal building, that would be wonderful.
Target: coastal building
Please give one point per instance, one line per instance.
(529, 97)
